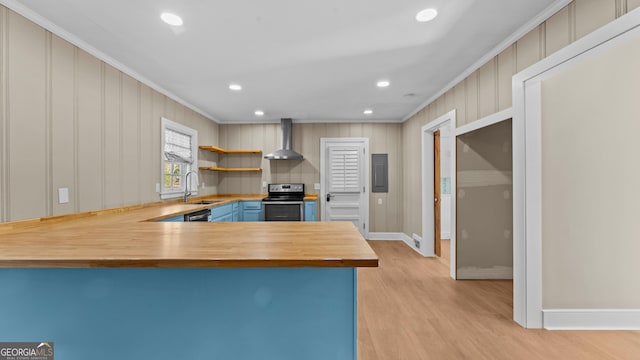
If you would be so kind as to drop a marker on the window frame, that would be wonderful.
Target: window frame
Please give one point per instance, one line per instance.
(193, 186)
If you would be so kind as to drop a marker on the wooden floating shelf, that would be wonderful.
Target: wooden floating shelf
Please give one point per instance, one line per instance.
(225, 151)
(230, 169)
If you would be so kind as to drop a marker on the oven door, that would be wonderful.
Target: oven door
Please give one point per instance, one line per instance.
(283, 210)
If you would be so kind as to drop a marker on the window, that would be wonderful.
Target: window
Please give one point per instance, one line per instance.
(179, 156)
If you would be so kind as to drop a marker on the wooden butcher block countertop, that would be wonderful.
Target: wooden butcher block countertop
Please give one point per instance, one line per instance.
(131, 237)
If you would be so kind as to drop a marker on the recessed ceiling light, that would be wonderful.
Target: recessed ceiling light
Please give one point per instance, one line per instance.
(383, 83)
(235, 87)
(171, 19)
(259, 113)
(368, 112)
(426, 15)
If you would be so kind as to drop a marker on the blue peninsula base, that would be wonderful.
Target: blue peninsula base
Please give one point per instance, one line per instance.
(169, 314)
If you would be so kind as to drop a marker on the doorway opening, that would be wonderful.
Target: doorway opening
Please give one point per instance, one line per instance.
(433, 205)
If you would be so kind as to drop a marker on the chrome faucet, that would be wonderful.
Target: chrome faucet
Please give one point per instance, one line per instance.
(187, 192)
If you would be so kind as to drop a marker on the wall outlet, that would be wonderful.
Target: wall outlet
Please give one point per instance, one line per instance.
(316, 186)
(63, 195)
(264, 184)
(416, 240)
(379, 201)
(203, 185)
(157, 187)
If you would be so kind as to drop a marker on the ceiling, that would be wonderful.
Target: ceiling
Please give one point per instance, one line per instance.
(308, 60)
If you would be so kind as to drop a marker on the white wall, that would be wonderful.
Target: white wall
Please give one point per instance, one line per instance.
(590, 176)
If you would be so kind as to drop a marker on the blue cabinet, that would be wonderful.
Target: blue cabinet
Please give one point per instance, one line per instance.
(236, 211)
(179, 218)
(310, 207)
(251, 211)
(222, 213)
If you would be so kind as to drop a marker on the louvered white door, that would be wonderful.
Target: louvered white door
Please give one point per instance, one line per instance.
(344, 194)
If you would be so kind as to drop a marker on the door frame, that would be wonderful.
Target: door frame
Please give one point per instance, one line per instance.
(428, 240)
(364, 209)
(437, 194)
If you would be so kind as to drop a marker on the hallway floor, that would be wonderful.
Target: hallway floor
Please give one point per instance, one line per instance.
(409, 308)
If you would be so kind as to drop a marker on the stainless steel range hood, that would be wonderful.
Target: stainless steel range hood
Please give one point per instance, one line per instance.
(286, 153)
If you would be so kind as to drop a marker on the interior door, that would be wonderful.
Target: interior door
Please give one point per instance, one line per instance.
(436, 193)
(344, 192)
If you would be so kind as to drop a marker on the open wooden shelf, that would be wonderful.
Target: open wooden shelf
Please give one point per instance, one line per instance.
(230, 169)
(220, 150)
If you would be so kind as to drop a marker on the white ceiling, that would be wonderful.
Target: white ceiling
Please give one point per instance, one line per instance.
(309, 60)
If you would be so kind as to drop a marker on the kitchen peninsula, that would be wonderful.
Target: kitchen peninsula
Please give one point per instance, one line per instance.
(118, 284)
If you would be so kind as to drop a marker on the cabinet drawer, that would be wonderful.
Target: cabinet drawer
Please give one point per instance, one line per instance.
(252, 205)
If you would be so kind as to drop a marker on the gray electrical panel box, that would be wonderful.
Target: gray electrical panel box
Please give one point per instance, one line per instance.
(379, 173)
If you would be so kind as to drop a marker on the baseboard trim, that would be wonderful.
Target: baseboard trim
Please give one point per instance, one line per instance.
(494, 273)
(385, 236)
(591, 319)
(373, 236)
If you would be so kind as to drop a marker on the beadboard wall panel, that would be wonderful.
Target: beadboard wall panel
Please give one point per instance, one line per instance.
(506, 70)
(62, 100)
(488, 89)
(592, 14)
(68, 120)
(27, 149)
(4, 113)
(112, 136)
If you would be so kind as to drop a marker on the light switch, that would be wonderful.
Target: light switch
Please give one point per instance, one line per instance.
(379, 201)
(264, 184)
(157, 187)
(63, 195)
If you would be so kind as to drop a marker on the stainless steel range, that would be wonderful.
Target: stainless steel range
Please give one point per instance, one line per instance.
(284, 203)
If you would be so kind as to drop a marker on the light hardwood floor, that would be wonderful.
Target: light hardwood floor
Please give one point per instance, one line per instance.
(409, 308)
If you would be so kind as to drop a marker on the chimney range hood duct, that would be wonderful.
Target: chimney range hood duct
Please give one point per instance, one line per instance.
(285, 153)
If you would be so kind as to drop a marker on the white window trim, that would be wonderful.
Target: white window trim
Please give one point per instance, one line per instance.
(193, 186)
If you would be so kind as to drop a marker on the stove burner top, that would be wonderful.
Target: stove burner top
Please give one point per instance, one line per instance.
(285, 192)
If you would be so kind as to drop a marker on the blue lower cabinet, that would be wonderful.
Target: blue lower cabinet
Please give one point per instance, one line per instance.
(310, 207)
(222, 213)
(168, 314)
(179, 218)
(251, 211)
